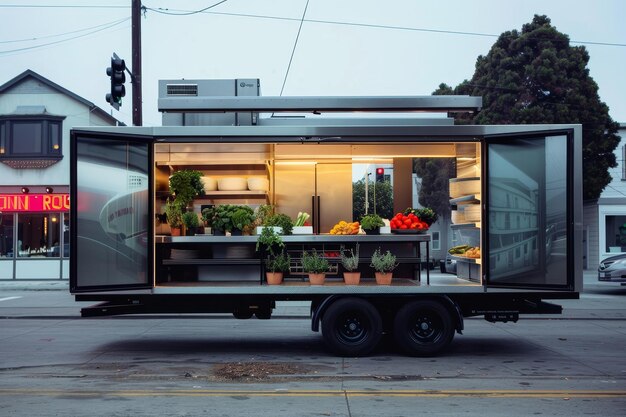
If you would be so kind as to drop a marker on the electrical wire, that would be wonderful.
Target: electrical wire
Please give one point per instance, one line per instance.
(186, 13)
(63, 34)
(293, 51)
(63, 40)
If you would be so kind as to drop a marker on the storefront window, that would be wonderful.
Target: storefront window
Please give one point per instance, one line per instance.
(6, 235)
(615, 234)
(38, 235)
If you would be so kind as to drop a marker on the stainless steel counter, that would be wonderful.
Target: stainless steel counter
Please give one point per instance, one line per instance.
(297, 238)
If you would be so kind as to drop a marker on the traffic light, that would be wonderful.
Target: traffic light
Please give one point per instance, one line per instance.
(116, 72)
(380, 174)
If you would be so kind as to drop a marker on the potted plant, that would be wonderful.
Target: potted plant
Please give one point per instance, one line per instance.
(280, 220)
(425, 214)
(276, 266)
(372, 223)
(350, 262)
(207, 218)
(270, 242)
(316, 266)
(185, 185)
(383, 264)
(221, 219)
(191, 222)
(241, 217)
(174, 214)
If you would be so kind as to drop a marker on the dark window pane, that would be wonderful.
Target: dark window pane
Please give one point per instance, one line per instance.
(6, 235)
(27, 138)
(38, 234)
(54, 138)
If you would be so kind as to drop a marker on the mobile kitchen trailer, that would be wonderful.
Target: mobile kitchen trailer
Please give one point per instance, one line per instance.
(516, 189)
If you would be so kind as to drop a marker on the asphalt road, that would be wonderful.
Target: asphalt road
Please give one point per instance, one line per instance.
(53, 363)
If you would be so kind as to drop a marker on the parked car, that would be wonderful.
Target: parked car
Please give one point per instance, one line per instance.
(613, 269)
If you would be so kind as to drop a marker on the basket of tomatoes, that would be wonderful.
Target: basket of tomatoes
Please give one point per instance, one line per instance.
(407, 223)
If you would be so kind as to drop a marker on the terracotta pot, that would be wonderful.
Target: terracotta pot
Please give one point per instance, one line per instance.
(175, 231)
(274, 278)
(317, 279)
(383, 278)
(351, 278)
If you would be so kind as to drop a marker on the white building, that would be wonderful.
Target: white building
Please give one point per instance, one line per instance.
(36, 116)
(605, 220)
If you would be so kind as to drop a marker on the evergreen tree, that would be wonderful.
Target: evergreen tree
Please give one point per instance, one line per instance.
(382, 192)
(535, 76)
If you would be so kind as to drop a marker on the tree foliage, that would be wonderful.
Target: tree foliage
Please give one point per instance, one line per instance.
(384, 199)
(435, 174)
(536, 76)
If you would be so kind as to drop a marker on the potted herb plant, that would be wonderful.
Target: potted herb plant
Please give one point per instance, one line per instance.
(316, 266)
(350, 262)
(207, 218)
(241, 217)
(276, 266)
(280, 220)
(185, 185)
(174, 214)
(221, 219)
(191, 222)
(383, 264)
(269, 243)
(371, 224)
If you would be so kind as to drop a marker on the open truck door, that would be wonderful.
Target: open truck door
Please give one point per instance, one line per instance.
(111, 212)
(531, 223)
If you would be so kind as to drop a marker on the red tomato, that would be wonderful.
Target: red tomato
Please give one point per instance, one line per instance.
(398, 216)
(407, 222)
(414, 225)
(404, 226)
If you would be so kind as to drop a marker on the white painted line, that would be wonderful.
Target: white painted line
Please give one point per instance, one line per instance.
(9, 298)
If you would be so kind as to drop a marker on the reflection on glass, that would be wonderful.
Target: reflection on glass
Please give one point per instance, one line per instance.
(615, 234)
(372, 183)
(6, 235)
(528, 211)
(112, 212)
(38, 235)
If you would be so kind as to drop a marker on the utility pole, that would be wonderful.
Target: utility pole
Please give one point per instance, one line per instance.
(136, 62)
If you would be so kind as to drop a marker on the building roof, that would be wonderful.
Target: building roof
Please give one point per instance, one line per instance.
(32, 74)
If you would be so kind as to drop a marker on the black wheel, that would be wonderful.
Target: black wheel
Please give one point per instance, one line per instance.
(423, 328)
(242, 314)
(352, 327)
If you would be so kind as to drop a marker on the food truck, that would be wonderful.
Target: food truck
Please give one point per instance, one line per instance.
(514, 193)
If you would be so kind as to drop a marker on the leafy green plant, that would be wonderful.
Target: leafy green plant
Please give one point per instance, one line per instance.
(350, 260)
(426, 214)
(261, 213)
(270, 240)
(278, 263)
(314, 263)
(372, 221)
(222, 217)
(383, 262)
(207, 216)
(174, 213)
(185, 185)
(190, 220)
(241, 217)
(280, 220)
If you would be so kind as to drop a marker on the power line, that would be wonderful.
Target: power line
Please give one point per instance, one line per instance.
(64, 40)
(294, 48)
(59, 6)
(62, 34)
(168, 12)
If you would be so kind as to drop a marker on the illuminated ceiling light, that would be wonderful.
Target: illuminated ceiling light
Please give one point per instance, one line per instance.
(49, 190)
(56, 146)
(25, 190)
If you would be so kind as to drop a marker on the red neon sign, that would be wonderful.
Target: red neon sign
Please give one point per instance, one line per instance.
(34, 202)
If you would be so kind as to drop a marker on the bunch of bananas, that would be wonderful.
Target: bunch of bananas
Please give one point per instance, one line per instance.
(345, 228)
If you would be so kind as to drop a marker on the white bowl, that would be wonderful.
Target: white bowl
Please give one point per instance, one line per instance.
(258, 184)
(210, 184)
(232, 184)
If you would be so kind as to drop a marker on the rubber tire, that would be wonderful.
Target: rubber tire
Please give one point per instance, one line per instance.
(352, 327)
(423, 328)
(243, 314)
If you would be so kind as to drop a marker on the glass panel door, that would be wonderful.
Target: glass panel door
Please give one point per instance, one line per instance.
(111, 208)
(528, 207)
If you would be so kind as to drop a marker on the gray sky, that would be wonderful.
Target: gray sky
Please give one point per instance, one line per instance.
(420, 47)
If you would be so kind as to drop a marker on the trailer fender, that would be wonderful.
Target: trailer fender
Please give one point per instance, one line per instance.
(318, 311)
(460, 326)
